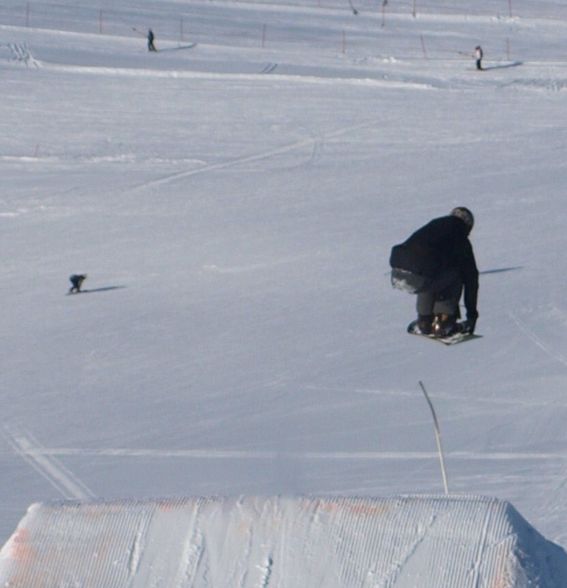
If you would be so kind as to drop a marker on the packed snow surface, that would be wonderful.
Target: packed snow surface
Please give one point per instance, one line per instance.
(233, 199)
(430, 542)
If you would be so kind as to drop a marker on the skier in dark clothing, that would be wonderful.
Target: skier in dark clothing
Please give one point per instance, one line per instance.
(478, 55)
(76, 281)
(436, 263)
(151, 37)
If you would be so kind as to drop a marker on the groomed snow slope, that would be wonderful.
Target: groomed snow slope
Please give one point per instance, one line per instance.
(234, 206)
(407, 541)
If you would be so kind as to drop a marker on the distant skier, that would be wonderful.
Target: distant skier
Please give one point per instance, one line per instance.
(151, 38)
(76, 281)
(478, 55)
(435, 263)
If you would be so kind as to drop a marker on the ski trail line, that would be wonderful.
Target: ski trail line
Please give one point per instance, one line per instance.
(226, 164)
(514, 402)
(535, 339)
(308, 142)
(269, 68)
(37, 454)
(482, 545)
(48, 466)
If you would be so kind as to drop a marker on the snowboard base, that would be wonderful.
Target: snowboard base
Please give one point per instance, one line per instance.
(451, 340)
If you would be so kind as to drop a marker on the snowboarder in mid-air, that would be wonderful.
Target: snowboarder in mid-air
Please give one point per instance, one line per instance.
(76, 281)
(151, 38)
(437, 262)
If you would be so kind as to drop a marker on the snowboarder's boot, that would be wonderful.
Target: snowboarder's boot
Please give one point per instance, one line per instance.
(425, 324)
(445, 325)
(421, 326)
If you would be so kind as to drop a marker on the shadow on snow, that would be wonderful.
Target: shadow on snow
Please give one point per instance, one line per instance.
(93, 290)
(501, 270)
(504, 65)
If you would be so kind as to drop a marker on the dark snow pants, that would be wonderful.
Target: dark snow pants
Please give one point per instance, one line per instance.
(442, 295)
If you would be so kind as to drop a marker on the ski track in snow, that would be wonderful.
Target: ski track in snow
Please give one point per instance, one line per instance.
(225, 165)
(440, 396)
(138, 546)
(481, 548)
(192, 555)
(40, 455)
(537, 340)
(312, 78)
(239, 269)
(313, 142)
(269, 68)
(22, 54)
(46, 464)
(420, 535)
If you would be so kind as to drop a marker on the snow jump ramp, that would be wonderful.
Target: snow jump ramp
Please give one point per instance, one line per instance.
(283, 542)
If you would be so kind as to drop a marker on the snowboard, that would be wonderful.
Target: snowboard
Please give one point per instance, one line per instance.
(450, 340)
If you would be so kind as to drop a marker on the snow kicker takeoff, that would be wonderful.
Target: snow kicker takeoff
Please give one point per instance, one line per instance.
(437, 263)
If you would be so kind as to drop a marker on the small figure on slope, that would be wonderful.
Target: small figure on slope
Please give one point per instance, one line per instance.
(436, 263)
(151, 38)
(478, 55)
(76, 281)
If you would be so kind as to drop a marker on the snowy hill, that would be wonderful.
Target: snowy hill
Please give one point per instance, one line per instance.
(234, 203)
(207, 542)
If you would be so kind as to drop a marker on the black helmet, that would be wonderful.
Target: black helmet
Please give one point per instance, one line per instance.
(465, 215)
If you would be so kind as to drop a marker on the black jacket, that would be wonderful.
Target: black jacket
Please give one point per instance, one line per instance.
(441, 244)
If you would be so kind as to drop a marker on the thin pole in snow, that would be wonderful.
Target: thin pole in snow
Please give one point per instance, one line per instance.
(181, 29)
(27, 14)
(263, 36)
(100, 22)
(437, 437)
(510, 8)
(344, 42)
(414, 9)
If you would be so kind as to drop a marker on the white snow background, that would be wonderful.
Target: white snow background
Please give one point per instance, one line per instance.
(234, 205)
